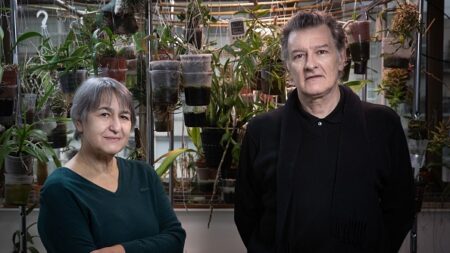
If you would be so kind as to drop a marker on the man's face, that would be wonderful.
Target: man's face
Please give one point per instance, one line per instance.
(314, 61)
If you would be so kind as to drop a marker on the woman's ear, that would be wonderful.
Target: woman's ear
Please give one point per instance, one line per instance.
(79, 126)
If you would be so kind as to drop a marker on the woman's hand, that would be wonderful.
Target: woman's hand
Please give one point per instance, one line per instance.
(113, 249)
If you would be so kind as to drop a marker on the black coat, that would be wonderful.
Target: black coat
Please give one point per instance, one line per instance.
(373, 198)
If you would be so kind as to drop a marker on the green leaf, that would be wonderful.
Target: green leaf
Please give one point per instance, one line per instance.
(357, 85)
(169, 159)
(26, 36)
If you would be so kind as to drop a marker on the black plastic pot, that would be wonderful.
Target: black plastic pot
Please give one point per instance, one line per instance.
(213, 149)
(71, 80)
(360, 52)
(58, 136)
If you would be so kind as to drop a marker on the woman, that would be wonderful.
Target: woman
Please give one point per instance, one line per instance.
(100, 203)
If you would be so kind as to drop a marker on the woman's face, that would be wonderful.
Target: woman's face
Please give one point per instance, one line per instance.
(106, 129)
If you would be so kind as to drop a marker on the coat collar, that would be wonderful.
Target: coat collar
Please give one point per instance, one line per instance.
(353, 140)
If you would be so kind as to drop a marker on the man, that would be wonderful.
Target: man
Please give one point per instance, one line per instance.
(326, 172)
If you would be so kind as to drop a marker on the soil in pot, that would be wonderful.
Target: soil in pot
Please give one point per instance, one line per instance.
(165, 86)
(165, 95)
(197, 95)
(360, 52)
(17, 189)
(194, 119)
(197, 88)
(395, 62)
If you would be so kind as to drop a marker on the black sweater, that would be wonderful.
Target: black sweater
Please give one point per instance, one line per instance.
(373, 190)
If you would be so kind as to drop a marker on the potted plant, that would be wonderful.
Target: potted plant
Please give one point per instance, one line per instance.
(358, 38)
(197, 78)
(113, 63)
(69, 60)
(195, 16)
(395, 55)
(19, 145)
(394, 86)
(405, 23)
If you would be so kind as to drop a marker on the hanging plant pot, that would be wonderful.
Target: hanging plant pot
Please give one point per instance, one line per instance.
(19, 165)
(395, 55)
(17, 189)
(71, 80)
(165, 65)
(29, 106)
(58, 135)
(163, 120)
(7, 106)
(358, 37)
(191, 63)
(113, 62)
(165, 86)
(119, 75)
(10, 73)
(114, 67)
(213, 149)
(8, 91)
(197, 88)
(194, 116)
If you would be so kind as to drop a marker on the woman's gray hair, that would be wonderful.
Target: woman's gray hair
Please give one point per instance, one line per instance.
(92, 92)
(309, 19)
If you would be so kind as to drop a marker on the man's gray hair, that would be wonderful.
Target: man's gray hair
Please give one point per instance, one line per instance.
(92, 92)
(309, 19)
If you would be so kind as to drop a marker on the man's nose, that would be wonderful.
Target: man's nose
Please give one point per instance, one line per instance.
(311, 62)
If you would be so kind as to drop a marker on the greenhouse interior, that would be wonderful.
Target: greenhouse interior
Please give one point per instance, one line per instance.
(198, 74)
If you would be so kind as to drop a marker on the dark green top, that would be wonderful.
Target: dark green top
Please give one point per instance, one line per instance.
(78, 216)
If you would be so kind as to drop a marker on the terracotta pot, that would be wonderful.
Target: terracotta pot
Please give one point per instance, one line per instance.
(10, 76)
(8, 91)
(113, 62)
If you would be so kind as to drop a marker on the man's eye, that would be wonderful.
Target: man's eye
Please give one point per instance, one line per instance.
(298, 56)
(322, 52)
(125, 117)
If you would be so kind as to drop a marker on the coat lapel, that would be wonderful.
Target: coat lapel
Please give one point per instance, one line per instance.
(289, 148)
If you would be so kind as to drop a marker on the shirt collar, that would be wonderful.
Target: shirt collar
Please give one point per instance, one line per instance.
(335, 116)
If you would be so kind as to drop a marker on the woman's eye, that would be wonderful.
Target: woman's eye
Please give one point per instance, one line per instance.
(104, 114)
(125, 117)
